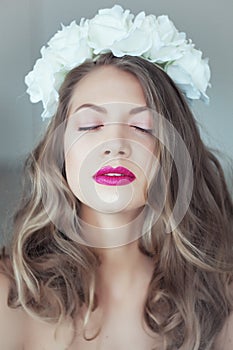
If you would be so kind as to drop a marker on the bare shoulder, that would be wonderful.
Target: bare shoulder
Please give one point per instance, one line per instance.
(224, 340)
(11, 320)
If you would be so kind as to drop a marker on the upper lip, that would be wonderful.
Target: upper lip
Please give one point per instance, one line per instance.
(118, 170)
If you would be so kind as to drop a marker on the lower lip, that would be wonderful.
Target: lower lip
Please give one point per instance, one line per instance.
(114, 180)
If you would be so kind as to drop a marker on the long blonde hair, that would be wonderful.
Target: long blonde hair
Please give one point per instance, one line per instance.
(53, 276)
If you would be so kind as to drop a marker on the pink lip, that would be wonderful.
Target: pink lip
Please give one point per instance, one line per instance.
(102, 177)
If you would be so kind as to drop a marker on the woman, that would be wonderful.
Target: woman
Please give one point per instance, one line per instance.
(124, 237)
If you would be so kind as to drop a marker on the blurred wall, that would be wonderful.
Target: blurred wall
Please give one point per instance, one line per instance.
(26, 25)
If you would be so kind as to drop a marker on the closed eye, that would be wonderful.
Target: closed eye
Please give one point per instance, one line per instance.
(86, 128)
(148, 131)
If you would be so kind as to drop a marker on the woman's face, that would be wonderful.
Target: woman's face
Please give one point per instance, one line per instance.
(109, 149)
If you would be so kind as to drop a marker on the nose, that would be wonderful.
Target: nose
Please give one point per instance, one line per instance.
(117, 147)
(117, 143)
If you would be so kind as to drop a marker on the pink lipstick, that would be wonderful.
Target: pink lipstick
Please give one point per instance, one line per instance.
(114, 176)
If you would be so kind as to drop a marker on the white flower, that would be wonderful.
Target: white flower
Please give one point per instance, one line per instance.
(167, 43)
(40, 84)
(108, 26)
(136, 42)
(67, 49)
(120, 32)
(191, 73)
(70, 45)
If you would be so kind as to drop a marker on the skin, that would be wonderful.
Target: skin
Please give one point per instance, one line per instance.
(117, 142)
(125, 272)
(121, 140)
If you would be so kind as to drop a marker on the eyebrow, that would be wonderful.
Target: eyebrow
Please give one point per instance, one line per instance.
(101, 109)
(137, 110)
(92, 106)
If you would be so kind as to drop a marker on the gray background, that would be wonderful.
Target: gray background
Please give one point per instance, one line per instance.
(26, 25)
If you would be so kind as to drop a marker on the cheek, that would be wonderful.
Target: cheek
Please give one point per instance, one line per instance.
(71, 166)
(75, 153)
(148, 158)
(74, 161)
(81, 162)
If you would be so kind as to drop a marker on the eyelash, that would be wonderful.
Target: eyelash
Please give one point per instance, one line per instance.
(147, 131)
(86, 128)
(94, 127)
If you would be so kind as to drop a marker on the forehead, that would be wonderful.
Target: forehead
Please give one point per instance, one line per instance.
(107, 84)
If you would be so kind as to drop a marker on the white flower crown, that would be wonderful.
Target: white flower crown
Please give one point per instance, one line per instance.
(120, 32)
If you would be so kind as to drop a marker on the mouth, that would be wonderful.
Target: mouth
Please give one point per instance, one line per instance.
(114, 176)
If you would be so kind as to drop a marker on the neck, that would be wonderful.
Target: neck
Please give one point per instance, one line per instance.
(124, 268)
(104, 230)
